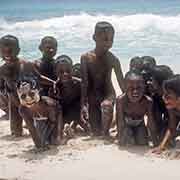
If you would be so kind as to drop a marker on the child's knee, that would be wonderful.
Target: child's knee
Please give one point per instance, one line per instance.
(107, 106)
(141, 136)
(22, 110)
(127, 137)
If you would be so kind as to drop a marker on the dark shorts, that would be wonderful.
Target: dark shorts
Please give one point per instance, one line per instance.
(134, 133)
(45, 131)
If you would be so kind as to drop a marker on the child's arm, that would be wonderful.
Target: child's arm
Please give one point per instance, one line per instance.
(76, 79)
(43, 79)
(27, 116)
(5, 70)
(168, 135)
(120, 118)
(151, 123)
(119, 74)
(56, 118)
(84, 89)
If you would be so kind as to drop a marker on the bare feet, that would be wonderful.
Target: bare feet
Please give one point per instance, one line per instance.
(68, 130)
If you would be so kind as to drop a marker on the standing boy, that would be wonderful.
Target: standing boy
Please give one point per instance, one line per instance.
(97, 92)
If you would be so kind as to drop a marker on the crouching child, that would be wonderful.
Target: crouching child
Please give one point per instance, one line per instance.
(131, 109)
(68, 93)
(42, 114)
(171, 97)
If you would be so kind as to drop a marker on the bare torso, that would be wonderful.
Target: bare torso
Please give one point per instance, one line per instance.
(136, 110)
(99, 71)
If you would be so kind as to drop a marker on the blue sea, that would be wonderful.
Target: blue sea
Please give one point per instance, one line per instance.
(142, 27)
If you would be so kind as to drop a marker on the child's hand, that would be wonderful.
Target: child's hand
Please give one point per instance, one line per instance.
(85, 118)
(58, 82)
(54, 94)
(54, 87)
(68, 130)
(157, 150)
(84, 114)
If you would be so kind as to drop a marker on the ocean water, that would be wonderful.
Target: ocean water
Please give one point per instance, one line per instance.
(142, 27)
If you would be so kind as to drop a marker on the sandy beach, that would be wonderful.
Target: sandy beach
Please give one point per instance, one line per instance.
(142, 28)
(83, 158)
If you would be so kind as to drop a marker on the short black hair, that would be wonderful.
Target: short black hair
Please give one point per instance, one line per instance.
(77, 66)
(133, 73)
(31, 79)
(76, 70)
(136, 60)
(103, 26)
(48, 38)
(9, 39)
(64, 59)
(148, 64)
(161, 73)
(149, 59)
(173, 84)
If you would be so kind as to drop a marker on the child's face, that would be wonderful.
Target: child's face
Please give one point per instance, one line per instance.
(104, 40)
(49, 49)
(8, 51)
(148, 65)
(171, 100)
(64, 71)
(28, 96)
(154, 87)
(136, 66)
(135, 89)
(76, 72)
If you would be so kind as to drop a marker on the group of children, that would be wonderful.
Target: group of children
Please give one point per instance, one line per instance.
(53, 96)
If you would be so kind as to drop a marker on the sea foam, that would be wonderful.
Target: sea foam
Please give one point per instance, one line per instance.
(85, 23)
(137, 34)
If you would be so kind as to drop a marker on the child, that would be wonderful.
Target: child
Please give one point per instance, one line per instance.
(9, 50)
(171, 97)
(69, 91)
(136, 63)
(160, 73)
(76, 72)
(131, 108)
(45, 65)
(43, 115)
(11, 71)
(97, 92)
(148, 63)
(149, 60)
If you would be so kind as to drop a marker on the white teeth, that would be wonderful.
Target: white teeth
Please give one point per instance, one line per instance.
(7, 57)
(135, 96)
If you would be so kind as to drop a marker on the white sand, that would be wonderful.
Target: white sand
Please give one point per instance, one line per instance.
(82, 158)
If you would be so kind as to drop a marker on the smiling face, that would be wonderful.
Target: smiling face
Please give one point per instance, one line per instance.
(9, 48)
(171, 100)
(134, 88)
(104, 39)
(136, 63)
(48, 47)
(64, 71)
(136, 66)
(154, 87)
(28, 96)
(76, 70)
